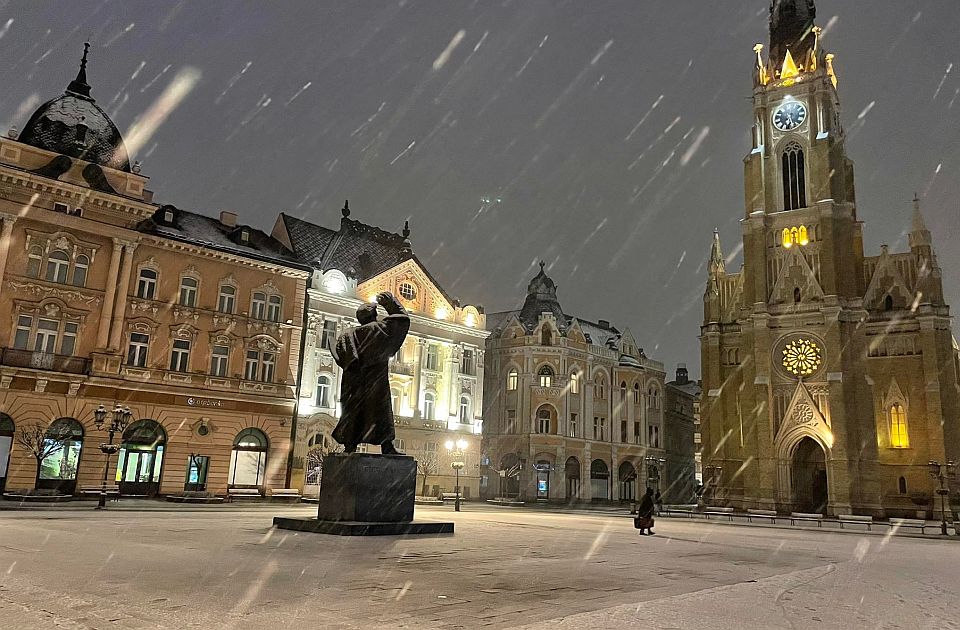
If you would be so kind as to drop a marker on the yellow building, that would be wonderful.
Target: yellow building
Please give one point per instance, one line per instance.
(830, 377)
(574, 409)
(436, 379)
(108, 298)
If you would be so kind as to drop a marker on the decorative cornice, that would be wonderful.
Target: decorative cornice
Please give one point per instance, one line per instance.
(39, 291)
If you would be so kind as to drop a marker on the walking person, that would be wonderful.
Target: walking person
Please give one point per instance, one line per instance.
(644, 518)
(658, 502)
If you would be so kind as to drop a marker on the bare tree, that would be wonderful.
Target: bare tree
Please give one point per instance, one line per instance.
(42, 442)
(427, 463)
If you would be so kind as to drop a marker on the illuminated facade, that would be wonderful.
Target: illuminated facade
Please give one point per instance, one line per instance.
(830, 377)
(436, 379)
(574, 409)
(109, 298)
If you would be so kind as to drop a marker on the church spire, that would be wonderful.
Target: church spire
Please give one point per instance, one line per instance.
(919, 234)
(792, 32)
(79, 85)
(717, 266)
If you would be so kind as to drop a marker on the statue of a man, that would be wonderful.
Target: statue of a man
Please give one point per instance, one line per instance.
(364, 354)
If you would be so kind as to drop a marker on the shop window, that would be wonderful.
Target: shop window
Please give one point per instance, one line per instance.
(248, 459)
(59, 468)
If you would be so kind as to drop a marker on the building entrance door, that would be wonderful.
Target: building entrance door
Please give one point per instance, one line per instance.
(141, 459)
(6, 445)
(543, 479)
(809, 478)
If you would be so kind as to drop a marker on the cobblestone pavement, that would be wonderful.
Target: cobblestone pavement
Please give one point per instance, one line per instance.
(503, 568)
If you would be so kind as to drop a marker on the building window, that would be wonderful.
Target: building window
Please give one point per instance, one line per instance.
(226, 301)
(429, 405)
(46, 339)
(794, 179)
(188, 291)
(147, 284)
(637, 433)
(623, 392)
(258, 305)
(395, 400)
(408, 291)
(260, 366)
(637, 396)
(137, 350)
(795, 236)
(543, 420)
(57, 265)
(21, 338)
(600, 388)
(654, 435)
(546, 337)
(623, 431)
(599, 428)
(323, 391)
(902, 485)
(511, 421)
(80, 267)
(180, 356)
(572, 427)
(888, 303)
(512, 381)
(574, 383)
(468, 363)
(47, 335)
(274, 308)
(898, 427)
(219, 361)
(545, 376)
(69, 343)
(248, 460)
(328, 335)
(432, 357)
(464, 410)
(653, 397)
(34, 258)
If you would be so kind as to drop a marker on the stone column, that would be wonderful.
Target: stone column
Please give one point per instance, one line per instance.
(120, 303)
(453, 385)
(478, 390)
(5, 238)
(418, 376)
(103, 332)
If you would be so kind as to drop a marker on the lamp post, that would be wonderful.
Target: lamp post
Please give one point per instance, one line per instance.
(658, 463)
(940, 472)
(120, 418)
(456, 450)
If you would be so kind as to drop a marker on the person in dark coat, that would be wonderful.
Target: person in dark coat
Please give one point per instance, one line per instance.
(364, 354)
(658, 503)
(644, 520)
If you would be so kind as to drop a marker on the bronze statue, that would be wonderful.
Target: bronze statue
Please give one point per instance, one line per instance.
(364, 354)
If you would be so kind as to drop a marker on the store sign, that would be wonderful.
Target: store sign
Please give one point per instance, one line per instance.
(204, 402)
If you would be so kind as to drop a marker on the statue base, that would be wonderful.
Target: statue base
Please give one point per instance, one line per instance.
(366, 495)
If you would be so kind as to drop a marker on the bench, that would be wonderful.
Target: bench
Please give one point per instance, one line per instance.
(718, 511)
(676, 511)
(806, 516)
(285, 494)
(421, 500)
(768, 515)
(915, 523)
(244, 493)
(113, 492)
(451, 496)
(852, 519)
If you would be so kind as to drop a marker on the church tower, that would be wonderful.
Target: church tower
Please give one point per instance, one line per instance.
(798, 415)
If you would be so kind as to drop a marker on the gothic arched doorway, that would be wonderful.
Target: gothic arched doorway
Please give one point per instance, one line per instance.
(809, 477)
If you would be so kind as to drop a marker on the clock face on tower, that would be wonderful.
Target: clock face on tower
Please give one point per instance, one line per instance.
(789, 116)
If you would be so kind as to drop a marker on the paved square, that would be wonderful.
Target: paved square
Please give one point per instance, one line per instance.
(227, 568)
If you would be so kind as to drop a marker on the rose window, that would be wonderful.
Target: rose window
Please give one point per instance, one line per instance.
(802, 357)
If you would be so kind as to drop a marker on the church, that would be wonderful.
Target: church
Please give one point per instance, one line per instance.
(830, 377)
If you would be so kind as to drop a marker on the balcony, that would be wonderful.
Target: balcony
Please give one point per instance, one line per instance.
(403, 369)
(44, 361)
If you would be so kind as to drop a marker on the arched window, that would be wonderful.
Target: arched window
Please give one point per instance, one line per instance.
(898, 427)
(395, 400)
(6, 444)
(188, 291)
(258, 305)
(599, 480)
(600, 388)
(34, 258)
(544, 420)
(464, 410)
(226, 301)
(58, 470)
(429, 405)
(623, 392)
(512, 380)
(794, 178)
(545, 376)
(546, 337)
(637, 396)
(888, 303)
(147, 284)
(902, 485)
(323, 390)
(248, 460)
(571, 471)
(80, 267)
(140, 461)
(58, 263)
(796, 295)
(653, 395)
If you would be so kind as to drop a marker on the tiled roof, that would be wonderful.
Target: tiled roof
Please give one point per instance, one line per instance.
(209, 232)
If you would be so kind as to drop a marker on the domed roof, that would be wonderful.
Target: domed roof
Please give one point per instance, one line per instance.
(542, 285)
(73, 125)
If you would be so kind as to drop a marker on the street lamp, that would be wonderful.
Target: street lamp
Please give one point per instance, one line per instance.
(940, 472)
(120, 418)
(456, 450)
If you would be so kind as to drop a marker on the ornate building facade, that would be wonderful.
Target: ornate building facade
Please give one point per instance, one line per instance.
(574, 409)
(109, 298)
(681, 407)
(831, 377)
(436, 379)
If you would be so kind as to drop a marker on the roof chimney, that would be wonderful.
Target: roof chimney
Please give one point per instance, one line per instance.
(682, 377)
(228, 219)
(604, 323)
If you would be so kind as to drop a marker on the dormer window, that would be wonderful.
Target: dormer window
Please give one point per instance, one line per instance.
(61, 207)
(168, 216)
(244, 235)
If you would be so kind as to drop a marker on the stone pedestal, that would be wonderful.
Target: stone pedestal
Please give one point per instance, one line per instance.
(366, 495)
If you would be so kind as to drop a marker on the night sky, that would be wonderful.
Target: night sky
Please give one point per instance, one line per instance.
(607, 135)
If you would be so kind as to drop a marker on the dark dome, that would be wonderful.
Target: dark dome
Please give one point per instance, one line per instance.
(73, 125)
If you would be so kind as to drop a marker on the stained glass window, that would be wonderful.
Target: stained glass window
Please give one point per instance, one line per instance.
(898, 427)
(801, 357)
